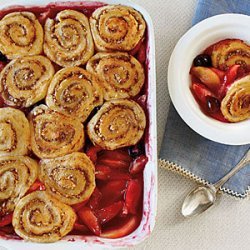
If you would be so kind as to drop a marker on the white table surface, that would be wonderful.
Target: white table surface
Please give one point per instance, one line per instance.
(225, 226)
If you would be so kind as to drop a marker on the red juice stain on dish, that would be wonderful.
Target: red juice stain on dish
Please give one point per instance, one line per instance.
(146, 225)
(107, 206)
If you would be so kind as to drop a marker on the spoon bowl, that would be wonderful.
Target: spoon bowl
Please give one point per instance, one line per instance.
(198, 201)
(203, 197)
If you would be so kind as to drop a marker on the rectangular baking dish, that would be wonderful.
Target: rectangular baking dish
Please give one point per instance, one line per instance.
(150, 172)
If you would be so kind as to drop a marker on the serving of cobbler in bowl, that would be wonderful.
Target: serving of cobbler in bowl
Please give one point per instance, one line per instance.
(209, 78)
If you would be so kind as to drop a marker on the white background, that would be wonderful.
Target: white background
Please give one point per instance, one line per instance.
(225, 226)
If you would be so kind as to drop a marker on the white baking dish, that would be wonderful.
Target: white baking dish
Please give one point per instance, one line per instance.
(150, 172)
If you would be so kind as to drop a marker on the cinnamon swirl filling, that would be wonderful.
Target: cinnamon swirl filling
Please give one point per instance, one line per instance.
(119, 123)
(54, 134)
(21, 34)
(14, 132)
(74, 91)
(67, 39)
(117, 27)
(70, 178)
(24, 81)
(229, 52)
(121, 75)
(17, 174)
(39, 217)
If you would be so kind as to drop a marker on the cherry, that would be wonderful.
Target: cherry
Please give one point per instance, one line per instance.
(138, 164)
(203, 60)
(136, 150)
(213, 104)
(3, 58)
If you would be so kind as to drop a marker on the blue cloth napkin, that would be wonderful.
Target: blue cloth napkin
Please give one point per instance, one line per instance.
(193, 155)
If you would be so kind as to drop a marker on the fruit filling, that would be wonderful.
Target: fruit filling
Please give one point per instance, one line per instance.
(114, 205)
(220, 80)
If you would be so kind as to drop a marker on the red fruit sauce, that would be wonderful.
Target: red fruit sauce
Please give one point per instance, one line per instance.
(107, 208)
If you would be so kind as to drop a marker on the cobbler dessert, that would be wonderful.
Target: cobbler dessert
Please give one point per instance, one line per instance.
(220, 79)
(73, 120)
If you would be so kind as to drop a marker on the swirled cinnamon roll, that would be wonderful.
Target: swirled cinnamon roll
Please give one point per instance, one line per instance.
(21, 34)
(24, 81)
(229, 52)
(17, 174)
(54, 134)
(39, 217)
(116, 27)
(74, 91)
(14, 132)
(119, 123)
(121, 75)
(70, 178)
(235, 106)
(67, 39)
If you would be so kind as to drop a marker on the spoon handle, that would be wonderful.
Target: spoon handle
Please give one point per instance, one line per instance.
(240, 165)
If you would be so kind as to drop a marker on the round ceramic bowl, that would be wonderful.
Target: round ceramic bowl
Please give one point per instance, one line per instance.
(196, 40)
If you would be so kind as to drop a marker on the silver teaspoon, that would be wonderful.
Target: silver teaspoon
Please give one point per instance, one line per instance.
(203, 197)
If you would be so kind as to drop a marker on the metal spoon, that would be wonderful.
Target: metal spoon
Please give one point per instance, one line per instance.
(203, 197)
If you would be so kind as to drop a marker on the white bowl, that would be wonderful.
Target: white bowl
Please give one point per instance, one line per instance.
(192, 43)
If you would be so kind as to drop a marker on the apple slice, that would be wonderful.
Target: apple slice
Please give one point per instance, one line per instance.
(80, 228)
(220, 73)
(230, 76)
(108, 213)
(92, 152)
(79, 206)
(138, 165)
(118, 154)
(88, 217)
(95, 199)
(114, 159)
(131, 223)
(133, 195)
(113, 191)
(201, 92)
(207, 76)
(113, 163)
(104, 173)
